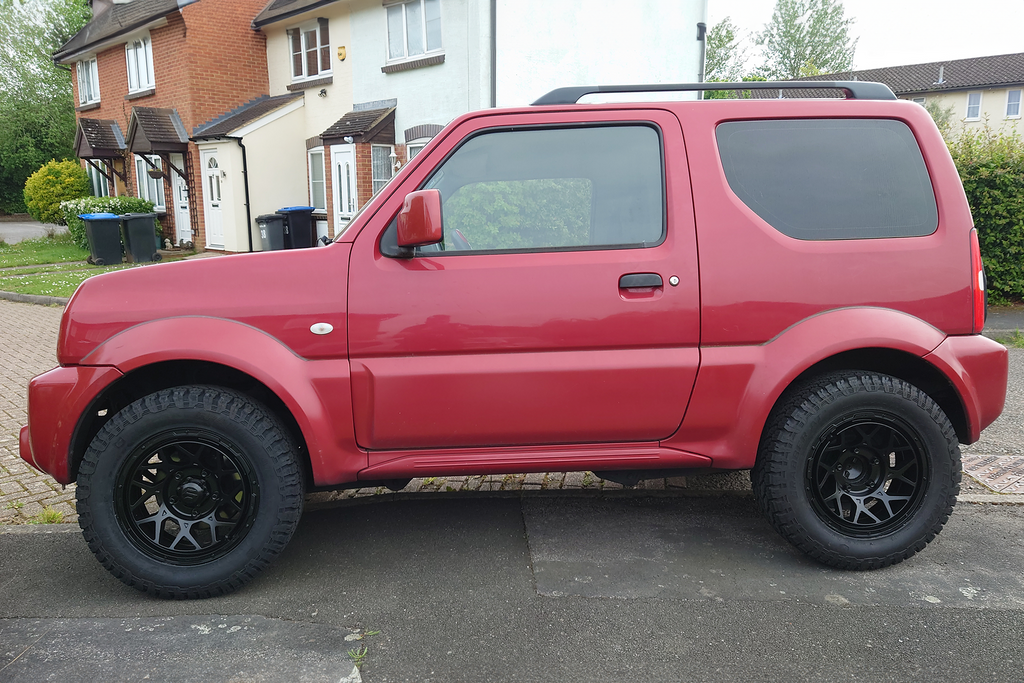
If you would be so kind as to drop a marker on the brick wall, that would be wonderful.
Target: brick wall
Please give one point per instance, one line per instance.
(207, 60)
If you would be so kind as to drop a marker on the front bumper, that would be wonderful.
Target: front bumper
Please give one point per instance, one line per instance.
(57, 400)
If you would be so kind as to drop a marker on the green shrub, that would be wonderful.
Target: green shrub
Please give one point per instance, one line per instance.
(991, 166)
(71, 208)
(55, 182)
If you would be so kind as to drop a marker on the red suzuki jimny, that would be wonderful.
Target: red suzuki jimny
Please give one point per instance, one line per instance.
(792, 286)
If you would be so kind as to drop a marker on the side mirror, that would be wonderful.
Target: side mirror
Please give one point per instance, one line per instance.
(419, 222)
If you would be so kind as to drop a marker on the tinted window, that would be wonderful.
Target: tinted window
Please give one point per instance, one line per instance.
(830, 179)
(544, 189)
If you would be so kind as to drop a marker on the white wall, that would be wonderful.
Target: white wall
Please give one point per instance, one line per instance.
(431, 94)
(319, 112)
(546, 44)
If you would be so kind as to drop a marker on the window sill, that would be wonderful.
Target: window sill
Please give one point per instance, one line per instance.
(312, 83)
(88, 107)
(417, 63)
(140, 94)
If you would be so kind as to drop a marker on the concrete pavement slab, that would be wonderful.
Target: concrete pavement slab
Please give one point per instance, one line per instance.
(199, 648)
(690, 550)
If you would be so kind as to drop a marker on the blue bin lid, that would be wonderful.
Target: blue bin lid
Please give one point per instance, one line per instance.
(98, 216)
(293, 209)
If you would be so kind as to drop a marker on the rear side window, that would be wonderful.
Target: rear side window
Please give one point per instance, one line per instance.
(553, 189)
(830, 179)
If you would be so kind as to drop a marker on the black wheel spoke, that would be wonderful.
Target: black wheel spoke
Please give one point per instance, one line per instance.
(865, 474)
(202, 491)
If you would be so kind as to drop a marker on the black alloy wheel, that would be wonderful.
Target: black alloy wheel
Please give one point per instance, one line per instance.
(186, 498)
(867, 474)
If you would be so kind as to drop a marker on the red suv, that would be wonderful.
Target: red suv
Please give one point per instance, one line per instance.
(788, 285)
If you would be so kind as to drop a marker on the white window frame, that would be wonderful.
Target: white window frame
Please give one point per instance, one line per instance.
(918, 100)
(323, 52)
(323, 178)
(98, 182)
(1010, 102)
(379, 183)
(414, 148)
(88, 81)
(427, 50)
(977, 115)
(150, 188)
(141, 77)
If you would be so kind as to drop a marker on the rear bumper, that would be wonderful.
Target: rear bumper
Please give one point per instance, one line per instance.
(978, 368)
(56, 402)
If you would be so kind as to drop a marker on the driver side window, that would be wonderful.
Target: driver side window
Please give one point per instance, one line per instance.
(551, 189)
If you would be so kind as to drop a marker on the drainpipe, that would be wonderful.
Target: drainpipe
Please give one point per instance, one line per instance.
(702, 33)
(494, 53)
(245, 184)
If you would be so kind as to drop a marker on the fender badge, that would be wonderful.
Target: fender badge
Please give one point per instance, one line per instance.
(321, 328)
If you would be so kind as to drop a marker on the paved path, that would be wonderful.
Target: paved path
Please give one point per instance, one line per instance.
(28, 339)
(16, 231)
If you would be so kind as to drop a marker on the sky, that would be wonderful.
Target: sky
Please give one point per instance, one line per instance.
(898, 32)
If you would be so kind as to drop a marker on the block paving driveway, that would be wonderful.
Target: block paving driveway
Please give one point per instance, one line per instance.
(28, 339)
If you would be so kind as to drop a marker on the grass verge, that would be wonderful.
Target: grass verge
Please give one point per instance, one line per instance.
(60, 280)
(1014, 341)
(42, 250)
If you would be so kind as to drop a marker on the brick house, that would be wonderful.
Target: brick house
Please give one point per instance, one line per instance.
(222, 110)
(145, 74)
(978, 91)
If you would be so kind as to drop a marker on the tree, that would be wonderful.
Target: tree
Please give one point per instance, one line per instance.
(807, 37)
(37, 115)
(725, 56)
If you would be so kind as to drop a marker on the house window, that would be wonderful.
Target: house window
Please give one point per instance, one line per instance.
(919, 100)
(414, 28)
(380, 158)
(88, 82)
(97, 181)
(414, 149)
(139, 53)
(310, 47)
(150, 188)
(1013, 104)
(317, 182)
(973, 106)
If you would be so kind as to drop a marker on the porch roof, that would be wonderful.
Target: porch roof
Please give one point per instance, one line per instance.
(360, 124)
(251, 111)
(98, 139)
(155, 131)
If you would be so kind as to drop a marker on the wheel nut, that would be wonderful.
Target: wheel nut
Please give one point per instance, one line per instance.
(177, 475)
(173, 499)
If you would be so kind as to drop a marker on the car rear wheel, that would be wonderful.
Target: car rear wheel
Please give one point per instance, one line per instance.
(189, 492)
(858, 470)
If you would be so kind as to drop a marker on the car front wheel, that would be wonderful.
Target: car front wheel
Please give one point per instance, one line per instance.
(189, 492)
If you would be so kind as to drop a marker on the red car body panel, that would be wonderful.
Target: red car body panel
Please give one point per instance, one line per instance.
(751, 294)
(537, 348)
(56, 401)
(516, 362)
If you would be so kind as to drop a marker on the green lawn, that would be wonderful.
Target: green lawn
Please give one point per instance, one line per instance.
(57, 249)
(48, 266)
(57, 281)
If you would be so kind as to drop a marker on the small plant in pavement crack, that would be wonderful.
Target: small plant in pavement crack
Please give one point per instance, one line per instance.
(358, 655)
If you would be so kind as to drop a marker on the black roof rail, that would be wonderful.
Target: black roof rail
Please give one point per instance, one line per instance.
(855, 90)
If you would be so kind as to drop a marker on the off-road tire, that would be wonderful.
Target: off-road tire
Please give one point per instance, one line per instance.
(255, 469)
(809, 422)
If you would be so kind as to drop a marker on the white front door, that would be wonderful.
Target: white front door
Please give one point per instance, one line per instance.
(211, 199)
(182, 219)
(343, 172)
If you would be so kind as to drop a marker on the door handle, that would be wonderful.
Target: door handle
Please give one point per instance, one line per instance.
(635, 280)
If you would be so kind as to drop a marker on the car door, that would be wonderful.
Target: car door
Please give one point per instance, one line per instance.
(562, 305)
